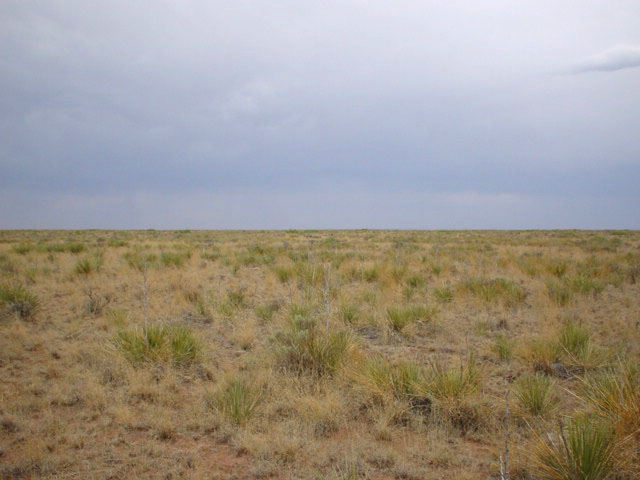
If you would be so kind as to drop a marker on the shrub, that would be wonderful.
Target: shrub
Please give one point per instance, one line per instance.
(535, 394)
(237, 400)
(16, 298)
(583, 451)
(159, 343)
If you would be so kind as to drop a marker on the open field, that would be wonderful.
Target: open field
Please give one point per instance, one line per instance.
(319, 354)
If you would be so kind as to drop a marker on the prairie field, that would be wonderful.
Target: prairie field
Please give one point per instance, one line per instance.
(363, 354)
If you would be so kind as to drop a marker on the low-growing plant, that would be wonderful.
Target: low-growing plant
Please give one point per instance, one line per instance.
(560, 292)
(450, 383)
(575, 339)
(504, 348)
(88, 265)
(175, 259)
(401, 316)
(22, 248)
(237, 399)
(349, 313)
(583, 450)
(140, 260)
(535, 394)
(304, 348)
(265, 312)
(159, 343)
(443, 294)
(284, 274)
(493, 289)
(16, 298)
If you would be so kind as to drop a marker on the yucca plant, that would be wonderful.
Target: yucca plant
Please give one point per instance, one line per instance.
(582, 451)
(158, 343)
(450, 383)
(237, 399)
(401, 317)
(615, 397)
(504, 348)
(304, 348)
(535, 394)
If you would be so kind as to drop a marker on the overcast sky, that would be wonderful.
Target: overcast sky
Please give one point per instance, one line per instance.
(332, 114)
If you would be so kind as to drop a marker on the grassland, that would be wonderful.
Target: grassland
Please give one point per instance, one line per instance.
(320, 354)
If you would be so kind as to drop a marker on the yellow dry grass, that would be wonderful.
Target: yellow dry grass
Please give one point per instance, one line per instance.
(304, 354)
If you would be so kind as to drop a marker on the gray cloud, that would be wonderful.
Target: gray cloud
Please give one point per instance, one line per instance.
(104, 105)
(612, 59)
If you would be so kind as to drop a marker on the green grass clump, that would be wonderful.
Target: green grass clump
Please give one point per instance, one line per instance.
(491, 290)
(535, 394)
(560, 292)
(16, 298)
(22, 248)
(237, 399)
(400, 317)
(284, 274)
(443, 294)
(584, 450)
(141, 261)
(349, 313)
(453, 384)
(159, 343)
(175, 259)
(503, 348)
(575, 339)
(304, 348)
(88, 265)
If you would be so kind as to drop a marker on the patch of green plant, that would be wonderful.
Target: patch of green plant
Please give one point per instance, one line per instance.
(504, 348)
(583, 450)
(304, 348)
(491, 290)
(400, 317)
(237, 399)
(16, 298)
(535, 394)
(159, 343)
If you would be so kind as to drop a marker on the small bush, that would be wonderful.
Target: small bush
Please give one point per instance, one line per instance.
(535, 394)
(16, 298)
(159, 343)
(237, 399)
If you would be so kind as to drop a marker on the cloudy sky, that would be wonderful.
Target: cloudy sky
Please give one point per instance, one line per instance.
(332, 114)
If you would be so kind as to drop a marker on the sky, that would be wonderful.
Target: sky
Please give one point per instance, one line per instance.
(335, 114)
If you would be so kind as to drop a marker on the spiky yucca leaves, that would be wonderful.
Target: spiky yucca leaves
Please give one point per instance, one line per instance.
(237, 399)
(306, 348)
(535, 394)
(450, 383)
(159, 343)
(583, 450)
(615, 396)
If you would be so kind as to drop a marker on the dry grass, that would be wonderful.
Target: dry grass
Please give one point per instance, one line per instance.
(318, 354)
